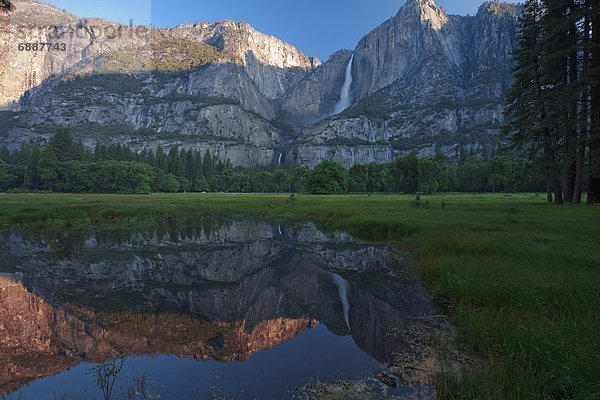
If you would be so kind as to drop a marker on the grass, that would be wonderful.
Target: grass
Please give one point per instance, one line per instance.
(520, 278)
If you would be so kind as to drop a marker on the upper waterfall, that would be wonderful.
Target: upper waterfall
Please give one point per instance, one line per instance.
(345, 100)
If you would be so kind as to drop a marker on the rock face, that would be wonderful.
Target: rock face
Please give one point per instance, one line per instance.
(216, 108)
(217, 99)
(273, 65)
(315, 96)
(423, 81)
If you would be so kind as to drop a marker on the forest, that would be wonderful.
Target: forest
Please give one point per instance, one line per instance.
(553, 108)
(65, 165)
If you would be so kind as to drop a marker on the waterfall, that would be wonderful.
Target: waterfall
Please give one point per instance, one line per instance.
(279, 159)
(345, 100)
(342, 285)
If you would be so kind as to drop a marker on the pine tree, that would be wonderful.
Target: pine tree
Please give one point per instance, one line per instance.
(583, 139)
(556, 48)
(128, 154)
(572, 90)
(208, 167)
(48, 167)
(199, 173)
(143, 157)
(173, 160)
(162, 161)
(190, 166)
(100, 152)
(594, 151)
(527, 108)
(180, 169)
(63, 146)
(151, 159)
(33, 179)
(79, 151)
(549, 107)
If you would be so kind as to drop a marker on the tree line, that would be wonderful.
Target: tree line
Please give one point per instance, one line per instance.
(65, 165)
(553, 108)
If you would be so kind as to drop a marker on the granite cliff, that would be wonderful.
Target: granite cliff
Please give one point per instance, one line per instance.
(423, 81)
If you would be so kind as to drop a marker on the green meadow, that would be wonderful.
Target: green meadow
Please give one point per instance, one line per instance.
(519, 278)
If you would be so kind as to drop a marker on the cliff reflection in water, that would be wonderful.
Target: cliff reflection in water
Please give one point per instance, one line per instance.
(207, 289)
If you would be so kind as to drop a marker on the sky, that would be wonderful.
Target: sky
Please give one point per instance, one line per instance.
(316, 27)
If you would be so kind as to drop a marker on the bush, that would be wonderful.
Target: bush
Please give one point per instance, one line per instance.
(167, 183)
(329, 177)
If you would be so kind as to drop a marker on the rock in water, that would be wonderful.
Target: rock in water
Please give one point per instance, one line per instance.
(385, 379)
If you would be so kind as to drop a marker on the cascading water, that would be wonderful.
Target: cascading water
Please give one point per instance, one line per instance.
(345, 100)
(279, 159)
(342, 285)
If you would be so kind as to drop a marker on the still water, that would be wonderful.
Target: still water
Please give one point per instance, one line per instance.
(206, 307)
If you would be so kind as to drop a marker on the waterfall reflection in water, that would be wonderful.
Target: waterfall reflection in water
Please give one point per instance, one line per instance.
(342, 285)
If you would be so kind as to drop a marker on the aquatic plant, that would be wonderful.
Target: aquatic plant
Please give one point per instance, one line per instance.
(106, 374)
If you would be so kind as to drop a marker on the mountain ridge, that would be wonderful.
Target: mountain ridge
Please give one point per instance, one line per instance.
(421, 86)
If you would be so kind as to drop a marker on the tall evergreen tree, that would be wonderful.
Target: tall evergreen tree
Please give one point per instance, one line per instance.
(572, 89)
(594, 151)
(199, 173)
(63, 146)
(208, 166)
(33, 180)
(583, 138)
(151, 159)
(527, 109)
(48, 167)
(173, 160)
(550, 107)
(162, 161)
(190, 166)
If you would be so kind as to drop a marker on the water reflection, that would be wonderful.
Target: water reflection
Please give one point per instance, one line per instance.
(210, 289)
